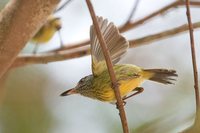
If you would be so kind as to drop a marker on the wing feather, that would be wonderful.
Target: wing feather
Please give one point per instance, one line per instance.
(116, 44)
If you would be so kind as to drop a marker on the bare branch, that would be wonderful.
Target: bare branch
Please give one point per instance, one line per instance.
(79, 50)
(45, 58)
(155, 37)
(133, 11)
(110, 68)
(195, 71)
(129, 25)
(63, 6)
(71, 46)
(19, 20)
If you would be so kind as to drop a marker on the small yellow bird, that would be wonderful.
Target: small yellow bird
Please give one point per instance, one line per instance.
(47, 31)
(98, 85)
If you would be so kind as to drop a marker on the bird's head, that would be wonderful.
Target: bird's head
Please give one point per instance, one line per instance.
(55, 22)
(83, 85)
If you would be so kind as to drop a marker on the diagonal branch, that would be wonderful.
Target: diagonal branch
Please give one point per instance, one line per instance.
(130, 25)
(13, 34)
(165, 34)
(63, 6)
(133, 11)
(78, 51)
(195, 71)
(110, 68)
(30, 59)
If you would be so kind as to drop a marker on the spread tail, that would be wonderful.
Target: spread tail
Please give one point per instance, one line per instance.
(161, 75)
(68, 92)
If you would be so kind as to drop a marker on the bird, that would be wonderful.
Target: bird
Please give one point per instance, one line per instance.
(47, 31)
(129, 77)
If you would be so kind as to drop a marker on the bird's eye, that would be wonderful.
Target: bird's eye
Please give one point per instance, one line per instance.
(81, 80)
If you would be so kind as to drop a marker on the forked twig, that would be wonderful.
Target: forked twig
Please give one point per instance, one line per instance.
(195, 71)
(110, 68)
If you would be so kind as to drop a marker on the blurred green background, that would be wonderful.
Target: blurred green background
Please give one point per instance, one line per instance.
(30, 101)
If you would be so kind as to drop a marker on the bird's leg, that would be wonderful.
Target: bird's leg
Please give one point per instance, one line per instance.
(60, 38)
(35, 48)
(138, 91)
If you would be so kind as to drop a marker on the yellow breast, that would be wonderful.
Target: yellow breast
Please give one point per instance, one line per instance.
(126, 86)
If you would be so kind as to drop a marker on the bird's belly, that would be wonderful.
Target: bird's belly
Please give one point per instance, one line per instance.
(130, 85)
(125, 86)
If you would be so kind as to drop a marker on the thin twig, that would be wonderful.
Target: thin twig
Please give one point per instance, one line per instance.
(133, 11)
(195, 71)
(70, 46)
(110, 68)
(158, 36)
(63, 6)
(131, 15)
(128, 26)
(79, 50)
(44, 58)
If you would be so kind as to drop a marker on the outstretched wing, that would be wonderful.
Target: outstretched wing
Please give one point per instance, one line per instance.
(116, 44)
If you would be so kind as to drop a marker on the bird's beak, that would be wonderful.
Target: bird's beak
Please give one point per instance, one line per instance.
(58, 27)
(69, 92)
(58, 24)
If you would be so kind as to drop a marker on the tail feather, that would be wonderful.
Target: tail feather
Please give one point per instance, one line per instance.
(162, 75)
(68, 92)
